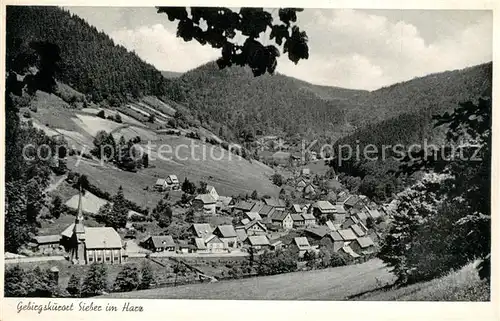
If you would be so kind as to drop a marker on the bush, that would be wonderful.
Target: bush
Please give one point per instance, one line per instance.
(127, 280)
(95, 282)
(118, 118)
(101, 114)
(27, 114)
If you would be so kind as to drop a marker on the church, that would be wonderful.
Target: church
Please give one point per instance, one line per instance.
(87, 245)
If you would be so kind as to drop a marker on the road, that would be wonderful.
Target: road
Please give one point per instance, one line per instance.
(29, 259)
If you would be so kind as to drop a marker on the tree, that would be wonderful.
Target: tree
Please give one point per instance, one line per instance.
(95, 282)
(163, 214)
(254, 195)
(57, 207)
(147, 276)
(118, 118)
(189, 216)
(203, 188)
(224, 23)
(74, 285)
(188, 187)
(127, 279)
(145, 160)
(277, 179)
(116, 215)
(443, 221)
(101, 114)
(151, 118)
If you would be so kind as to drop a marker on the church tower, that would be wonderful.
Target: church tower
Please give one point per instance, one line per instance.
(78, 238)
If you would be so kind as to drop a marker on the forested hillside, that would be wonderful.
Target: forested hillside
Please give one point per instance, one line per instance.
(117, 75)
(267, 104)
(412, 106)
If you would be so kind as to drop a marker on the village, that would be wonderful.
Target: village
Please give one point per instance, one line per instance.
(327, 217)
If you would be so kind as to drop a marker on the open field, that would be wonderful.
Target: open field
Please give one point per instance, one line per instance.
(231, 175)
(328, 284)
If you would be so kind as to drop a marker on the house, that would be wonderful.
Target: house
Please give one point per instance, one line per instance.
(301, 183)
(352, 220)
(48, 241)
(298, 220)
(332, 240)
(363, 245)
(373, 213)
(227, 235)
(353, 202)
(258, 242)
(199, 244)
(206, 203)
(309, 219)
(173, 182)
(253, 216)
(87, 245)
(281, 158)
(360, 215)
(342, 197)
(296, 209)
(309, 191)
(276, 245)
(160, 243)
(349, 251)
(316, 233)
(214, 244)
(347, 234)
(241, 235)
(266, 156)
(282, 219)
(161, 185)
(301, 245)
(224, 203)
(211, 190)
(202, 230)
(277, 203)
(332, 226)
(266, 211)
(253, 228)
(323, 208)
(357, 230)
(244, 206)
(186, 247)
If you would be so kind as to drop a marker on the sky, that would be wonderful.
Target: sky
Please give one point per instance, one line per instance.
(360, 49)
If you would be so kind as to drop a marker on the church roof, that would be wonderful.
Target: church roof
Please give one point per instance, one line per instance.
(102, 238)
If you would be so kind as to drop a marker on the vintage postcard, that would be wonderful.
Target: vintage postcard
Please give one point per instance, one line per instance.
(233, 162)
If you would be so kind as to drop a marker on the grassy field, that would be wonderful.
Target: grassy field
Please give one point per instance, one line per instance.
(231, 175)
(461, 285)
(328, 284)
(364, 281)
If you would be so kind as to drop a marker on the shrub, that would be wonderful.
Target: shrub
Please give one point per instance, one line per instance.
(127, 280)
(101, 114)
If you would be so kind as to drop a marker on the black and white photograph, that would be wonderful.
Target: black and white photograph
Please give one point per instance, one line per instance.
(246, 153)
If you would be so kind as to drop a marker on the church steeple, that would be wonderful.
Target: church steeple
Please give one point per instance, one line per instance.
(79, 215)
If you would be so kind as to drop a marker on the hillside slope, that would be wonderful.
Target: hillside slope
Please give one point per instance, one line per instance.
(115, 76)
(363, 281)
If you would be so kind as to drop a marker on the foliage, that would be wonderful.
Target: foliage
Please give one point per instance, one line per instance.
(57, 206)
(127, 279)
(188, 187)
(101, 114)
(95, 281)
(277, 179)
(115, 215)
(444, 221)
(280, 261)
(74, 285)
(99, 79)
(255, 195)
(202, 189)
(222, 25)
(35, 282)
(163, 213)
(147, 276)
